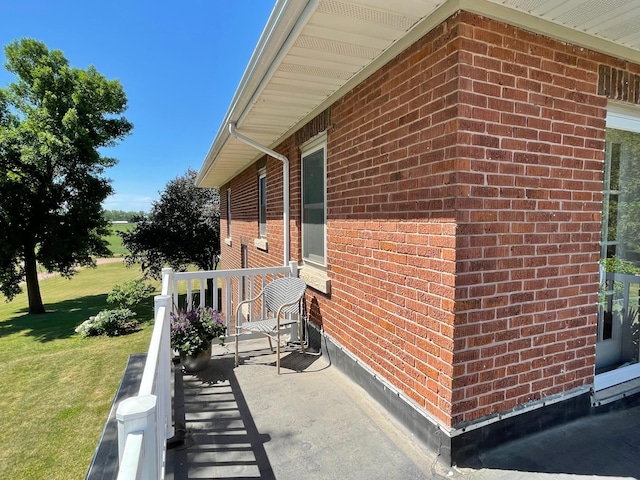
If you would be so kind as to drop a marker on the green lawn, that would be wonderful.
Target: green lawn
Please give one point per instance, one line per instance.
(56, 388)
(115, 242)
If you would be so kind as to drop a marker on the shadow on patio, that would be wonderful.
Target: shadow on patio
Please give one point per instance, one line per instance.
(221, 438)
(313, 422)
(248, 423)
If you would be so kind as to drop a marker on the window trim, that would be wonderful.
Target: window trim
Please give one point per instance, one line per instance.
(308, 148)
(622, 117)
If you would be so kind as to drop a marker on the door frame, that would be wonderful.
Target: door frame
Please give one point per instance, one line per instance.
(620, 117)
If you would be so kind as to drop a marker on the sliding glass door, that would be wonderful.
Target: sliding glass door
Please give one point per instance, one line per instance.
(617, 347)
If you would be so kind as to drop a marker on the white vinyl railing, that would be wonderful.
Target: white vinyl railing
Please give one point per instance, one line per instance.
(245, 283)
(145, 421)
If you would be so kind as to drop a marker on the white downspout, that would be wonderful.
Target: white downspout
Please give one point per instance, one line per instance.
(285, 181)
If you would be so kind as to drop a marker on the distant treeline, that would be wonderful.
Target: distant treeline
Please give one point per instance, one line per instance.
(120, 216)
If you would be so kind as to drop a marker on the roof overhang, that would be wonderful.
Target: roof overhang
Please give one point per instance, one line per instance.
(312, 52)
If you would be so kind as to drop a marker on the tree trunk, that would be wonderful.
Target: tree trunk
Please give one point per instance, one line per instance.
(33, 285)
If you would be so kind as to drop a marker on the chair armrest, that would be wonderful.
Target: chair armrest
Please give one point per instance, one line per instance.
(251, 300)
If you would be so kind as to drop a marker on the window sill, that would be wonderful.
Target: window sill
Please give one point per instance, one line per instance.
(316, 279)
(227, 241)
(261, 244)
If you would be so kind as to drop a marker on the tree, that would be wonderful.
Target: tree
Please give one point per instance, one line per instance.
(121, 215)
(183, 229)
(53, 121)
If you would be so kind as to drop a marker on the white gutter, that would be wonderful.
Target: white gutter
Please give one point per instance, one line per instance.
(284, 25)
(285, 183)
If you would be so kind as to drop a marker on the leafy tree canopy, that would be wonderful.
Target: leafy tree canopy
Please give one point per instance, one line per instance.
(183, 229)
(54, 119)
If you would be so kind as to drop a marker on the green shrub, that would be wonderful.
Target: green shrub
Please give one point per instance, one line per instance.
(110, 323)
(130, 293)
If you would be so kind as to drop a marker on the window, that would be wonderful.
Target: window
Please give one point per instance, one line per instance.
(228, 213)
(314, 202)
(262, 203)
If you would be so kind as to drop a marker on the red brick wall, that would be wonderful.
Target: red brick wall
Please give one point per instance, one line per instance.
(244, 216)
(529, 223)
(464, 201)
(391, 222)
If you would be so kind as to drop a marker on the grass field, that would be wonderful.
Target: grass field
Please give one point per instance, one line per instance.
(115, 242)
(56, 388)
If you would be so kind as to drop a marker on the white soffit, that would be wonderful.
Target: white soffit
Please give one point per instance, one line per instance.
(605, 25)
(614, 20)
(335, 40)
(314, 51)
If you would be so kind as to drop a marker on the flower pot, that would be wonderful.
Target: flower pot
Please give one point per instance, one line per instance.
(195, 363)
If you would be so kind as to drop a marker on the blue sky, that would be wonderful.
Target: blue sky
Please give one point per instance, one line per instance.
(178, 62)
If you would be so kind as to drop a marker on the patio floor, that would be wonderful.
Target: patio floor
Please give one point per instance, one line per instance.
(309, 422)
(312, 422)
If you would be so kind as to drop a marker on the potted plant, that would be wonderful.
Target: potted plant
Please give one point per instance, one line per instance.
(192, 332)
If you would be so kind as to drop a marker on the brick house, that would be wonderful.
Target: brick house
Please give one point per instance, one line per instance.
(456, 180)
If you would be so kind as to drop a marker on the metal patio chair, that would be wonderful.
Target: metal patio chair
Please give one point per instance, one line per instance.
(281, 307)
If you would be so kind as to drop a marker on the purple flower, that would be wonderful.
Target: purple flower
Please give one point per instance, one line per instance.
(192, 331)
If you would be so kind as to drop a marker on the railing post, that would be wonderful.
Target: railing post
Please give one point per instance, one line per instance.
(296, 336)
(168, 288)
(138, 414)
(293, 266)
(228, 305)
(163, 387)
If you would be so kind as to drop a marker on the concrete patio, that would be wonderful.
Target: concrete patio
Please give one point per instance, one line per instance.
(308, 422)
(312, 422)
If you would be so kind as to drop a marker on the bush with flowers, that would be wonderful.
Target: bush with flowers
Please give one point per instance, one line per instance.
(193, 330)
(110, 323)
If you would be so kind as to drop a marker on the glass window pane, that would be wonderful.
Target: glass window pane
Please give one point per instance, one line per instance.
(313, 186)
(612, 218)
(618, 323)
(313, 207)
(262, 212)
(625, 206)
(614, 176)
(313, 240)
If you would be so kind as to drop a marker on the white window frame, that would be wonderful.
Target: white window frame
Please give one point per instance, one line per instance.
(623, 117)
(312, 146)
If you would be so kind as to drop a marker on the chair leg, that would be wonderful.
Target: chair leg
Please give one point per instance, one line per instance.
(278, 352)
(270, 343)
